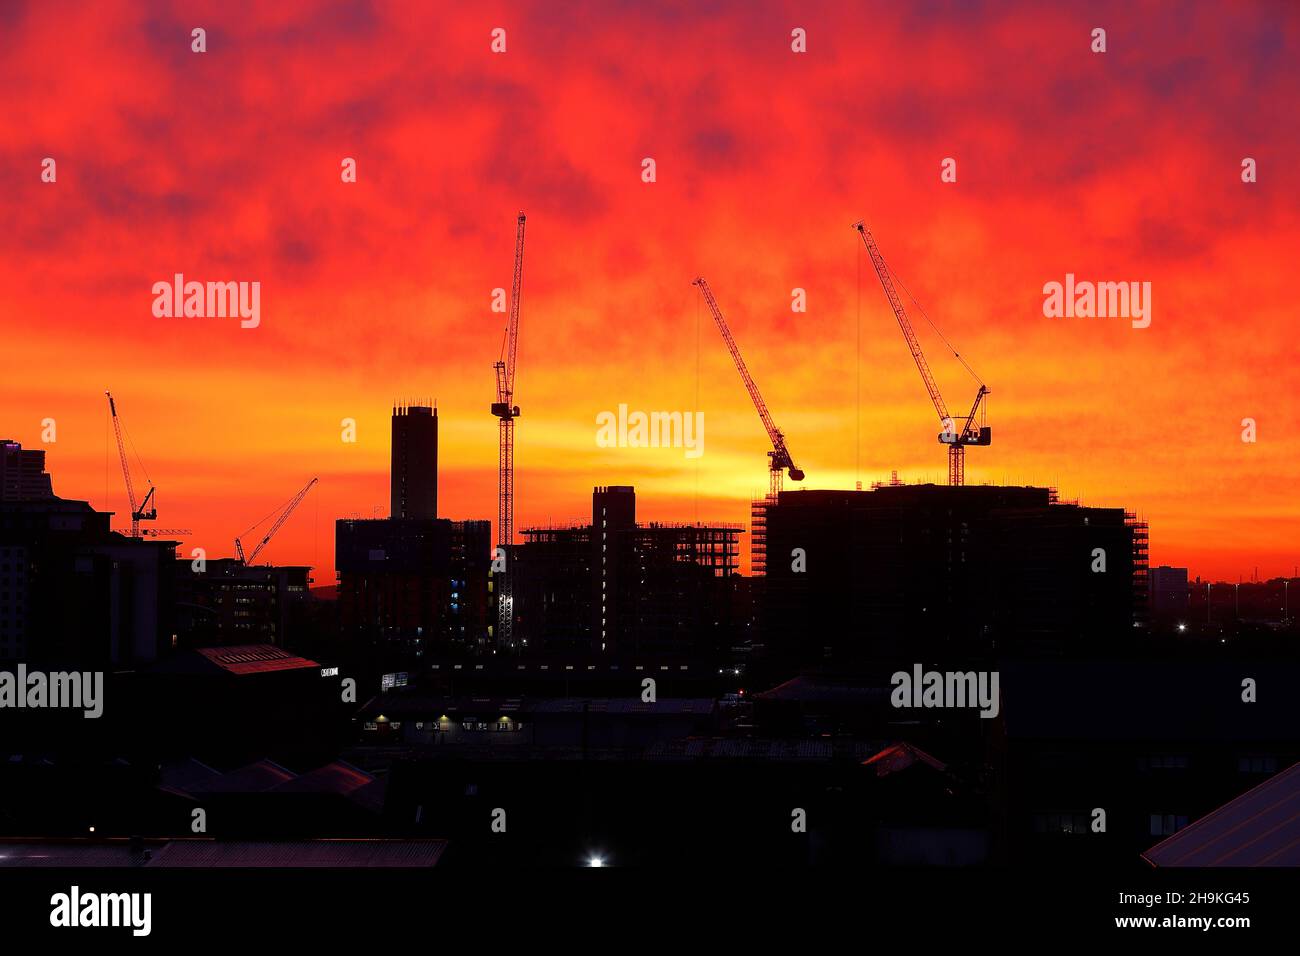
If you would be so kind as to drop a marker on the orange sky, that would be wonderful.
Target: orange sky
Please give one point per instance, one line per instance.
(225, 166)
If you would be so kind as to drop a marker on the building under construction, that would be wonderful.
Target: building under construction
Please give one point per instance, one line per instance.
(905, 569)
(619, 589)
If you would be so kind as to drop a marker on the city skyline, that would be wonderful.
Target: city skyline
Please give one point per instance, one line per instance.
(382, 288)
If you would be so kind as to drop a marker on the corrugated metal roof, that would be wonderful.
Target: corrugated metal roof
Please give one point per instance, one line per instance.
(254, 778)
(254, 658)
(304, 853)
(899, 757)
(1259, 828)
(188, 774)
(337, 777)
(341, 854)
(70, 854)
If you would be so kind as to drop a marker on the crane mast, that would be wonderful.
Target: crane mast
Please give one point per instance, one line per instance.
(956, 438)
(142, 511)
(505, 410)
(279, 522)
(779, 456)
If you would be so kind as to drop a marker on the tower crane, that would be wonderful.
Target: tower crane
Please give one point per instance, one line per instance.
(956, 436)
(144, 510)
(779, 457)
(505, 410)
(284, 511)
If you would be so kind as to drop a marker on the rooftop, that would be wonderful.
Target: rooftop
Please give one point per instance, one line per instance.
(337, 854)
(1259, 828)
(254, 659)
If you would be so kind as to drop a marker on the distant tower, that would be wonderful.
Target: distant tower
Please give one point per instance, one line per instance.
(22, 473)
(414, 471)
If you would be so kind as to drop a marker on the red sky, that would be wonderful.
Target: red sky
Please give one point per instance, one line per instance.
(1123, 166)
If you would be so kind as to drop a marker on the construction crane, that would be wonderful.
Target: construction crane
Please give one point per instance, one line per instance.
(283, 511)
(779, 459)
(505, 410)
(955, 436)
(144, 510)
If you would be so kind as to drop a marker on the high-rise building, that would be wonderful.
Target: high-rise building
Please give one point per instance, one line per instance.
(22, 473)
(413, 476)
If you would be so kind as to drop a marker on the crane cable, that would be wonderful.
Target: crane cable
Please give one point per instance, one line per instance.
(893, 275)
(138, 460)
(271, 515)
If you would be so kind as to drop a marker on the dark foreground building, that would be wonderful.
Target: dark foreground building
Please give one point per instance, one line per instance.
(229, 602)
(414, 585)
(71, 589)
(906, 568)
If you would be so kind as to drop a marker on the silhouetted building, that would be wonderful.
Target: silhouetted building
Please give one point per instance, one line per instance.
(235, 703)
(1155, 745)
(73, 591)
(1225, 607)
(413, 476)
(233, 603)
(414, 584)
(616, 587)
(22, 473)
(1170, 596)
(900, 568)
(470, 611)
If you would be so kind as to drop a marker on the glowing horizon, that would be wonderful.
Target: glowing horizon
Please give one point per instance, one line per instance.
(225, 166)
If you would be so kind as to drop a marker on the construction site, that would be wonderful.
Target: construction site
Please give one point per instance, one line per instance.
(494, 660)
(972, 567)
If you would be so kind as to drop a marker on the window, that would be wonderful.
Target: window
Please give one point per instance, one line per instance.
(1164, 762)
(1257, 764)
(1167, 824)
(1060, 823)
